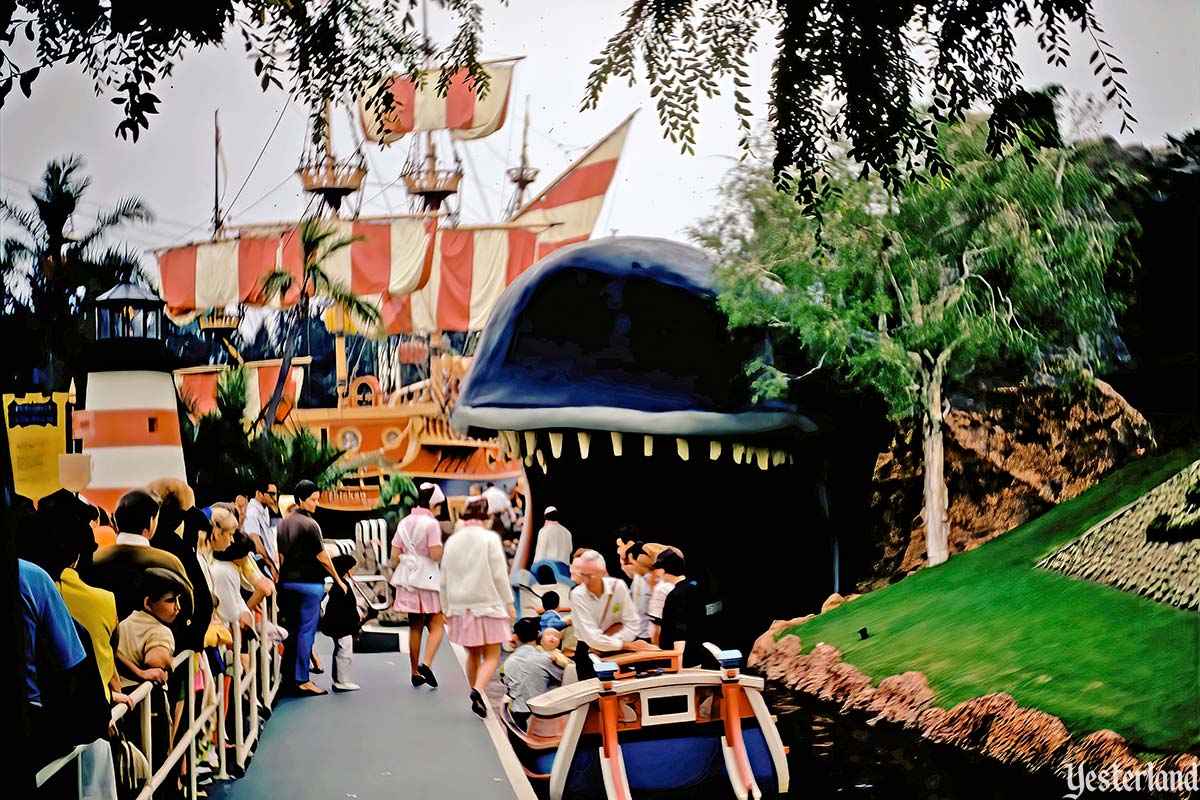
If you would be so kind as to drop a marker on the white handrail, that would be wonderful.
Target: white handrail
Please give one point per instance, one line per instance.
(266, 670)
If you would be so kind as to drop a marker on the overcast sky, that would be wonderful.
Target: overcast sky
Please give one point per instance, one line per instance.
(657, 191)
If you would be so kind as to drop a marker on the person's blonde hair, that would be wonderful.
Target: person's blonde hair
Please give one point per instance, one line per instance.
(222, 518)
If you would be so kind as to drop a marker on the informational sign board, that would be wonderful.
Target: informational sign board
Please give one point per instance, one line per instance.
(36, 436)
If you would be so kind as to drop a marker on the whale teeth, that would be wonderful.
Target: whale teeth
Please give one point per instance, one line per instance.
(761, 454)
(585, 443)
(541, 459)
(681, 447)
(738, 449)
(617, 442)
(556, 444)
(648, 446)
(790, 460)
(714, 450)
(777, 457)
(530, 441)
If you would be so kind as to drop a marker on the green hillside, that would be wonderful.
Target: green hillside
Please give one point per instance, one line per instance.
(989, 621)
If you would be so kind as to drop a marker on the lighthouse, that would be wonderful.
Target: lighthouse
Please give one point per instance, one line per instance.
(130, 420)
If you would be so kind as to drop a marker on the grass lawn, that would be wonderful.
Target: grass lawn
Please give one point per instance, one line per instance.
(988, 621)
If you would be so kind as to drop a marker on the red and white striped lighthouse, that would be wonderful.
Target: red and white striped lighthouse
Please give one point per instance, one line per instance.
(130, 423)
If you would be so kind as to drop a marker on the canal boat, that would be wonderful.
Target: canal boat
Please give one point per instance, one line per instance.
(646, 728)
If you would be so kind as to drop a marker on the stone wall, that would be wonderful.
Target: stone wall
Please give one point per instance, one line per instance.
(900, 742)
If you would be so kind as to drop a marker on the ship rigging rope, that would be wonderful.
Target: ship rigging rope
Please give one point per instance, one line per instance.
(270, 192)
(261, 152)
(487, 207)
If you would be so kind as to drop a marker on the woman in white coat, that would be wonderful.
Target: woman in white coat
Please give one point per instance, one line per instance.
(416, 551)
(477, 598)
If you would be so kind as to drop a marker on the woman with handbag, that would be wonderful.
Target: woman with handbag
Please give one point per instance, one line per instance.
(416, 553)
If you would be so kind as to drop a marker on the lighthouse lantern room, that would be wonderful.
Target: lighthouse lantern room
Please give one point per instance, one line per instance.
(130, 424)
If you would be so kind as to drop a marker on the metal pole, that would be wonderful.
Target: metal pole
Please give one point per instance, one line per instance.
(191, 715)
(216, 174)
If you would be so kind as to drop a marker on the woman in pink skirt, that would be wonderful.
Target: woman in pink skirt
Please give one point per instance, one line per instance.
(477, 598)
(416, 551)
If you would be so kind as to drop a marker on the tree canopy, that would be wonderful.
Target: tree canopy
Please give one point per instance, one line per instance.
(1010, 265)
(53, 268)
(880, 76)
(324, 51)
(879, 63)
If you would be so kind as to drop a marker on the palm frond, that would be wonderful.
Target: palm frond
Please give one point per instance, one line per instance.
(28, 220)
(129, 209)
(277, 283)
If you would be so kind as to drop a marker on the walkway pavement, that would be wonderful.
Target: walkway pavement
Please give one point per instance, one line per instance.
(385, 741)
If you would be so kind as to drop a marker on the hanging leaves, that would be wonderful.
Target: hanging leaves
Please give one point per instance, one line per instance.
(850, 71)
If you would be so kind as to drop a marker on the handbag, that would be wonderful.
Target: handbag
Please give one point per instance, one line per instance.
(130, 766)
(414, 571)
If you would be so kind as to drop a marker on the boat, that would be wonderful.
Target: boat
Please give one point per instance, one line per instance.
(644, 727)
(434, 281)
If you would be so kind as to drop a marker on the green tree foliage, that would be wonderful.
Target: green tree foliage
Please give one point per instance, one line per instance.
(324, 50)
(1007, 264)
(848, 71)
(397, 496)
(54, 267)
(224, 456)
(312, 290)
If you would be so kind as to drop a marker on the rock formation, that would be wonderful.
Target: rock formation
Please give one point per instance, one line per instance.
(1012, 453)
(993, 726)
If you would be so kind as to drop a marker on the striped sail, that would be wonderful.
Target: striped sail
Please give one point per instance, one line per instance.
(420, 108)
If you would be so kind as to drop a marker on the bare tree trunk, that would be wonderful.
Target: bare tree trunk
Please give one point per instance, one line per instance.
(289, 351)
(937, 523)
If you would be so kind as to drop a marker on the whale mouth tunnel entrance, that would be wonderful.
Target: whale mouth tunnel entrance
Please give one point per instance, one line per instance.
(758, 537)
(611, 373)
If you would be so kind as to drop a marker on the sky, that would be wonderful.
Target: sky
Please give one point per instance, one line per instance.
(657, 191)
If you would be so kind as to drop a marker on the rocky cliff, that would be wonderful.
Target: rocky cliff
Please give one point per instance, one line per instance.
(1012, 452)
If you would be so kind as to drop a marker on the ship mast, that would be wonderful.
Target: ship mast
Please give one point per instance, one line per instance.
(327, 178)
(422, 178)
(524, 175)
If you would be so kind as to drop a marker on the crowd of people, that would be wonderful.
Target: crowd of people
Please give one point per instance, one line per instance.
(108, 603)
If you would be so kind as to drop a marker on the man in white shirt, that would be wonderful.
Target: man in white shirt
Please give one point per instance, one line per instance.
(499, 506)
(553, 540)
(258, 524)
(605, 617)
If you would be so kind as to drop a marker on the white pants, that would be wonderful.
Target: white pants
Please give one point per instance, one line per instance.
(343, 657)
(96, 773)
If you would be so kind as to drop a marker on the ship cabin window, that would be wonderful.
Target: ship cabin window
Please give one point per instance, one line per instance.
(152, 424)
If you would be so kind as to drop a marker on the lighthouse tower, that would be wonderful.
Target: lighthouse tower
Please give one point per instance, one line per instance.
(130, 422)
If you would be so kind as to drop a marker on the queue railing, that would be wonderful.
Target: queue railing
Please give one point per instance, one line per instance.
(196, 720)
(266, 669)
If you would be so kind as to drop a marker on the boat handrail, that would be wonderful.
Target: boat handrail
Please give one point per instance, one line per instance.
(566, 698)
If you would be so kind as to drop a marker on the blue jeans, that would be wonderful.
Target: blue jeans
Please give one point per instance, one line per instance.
(300, 605)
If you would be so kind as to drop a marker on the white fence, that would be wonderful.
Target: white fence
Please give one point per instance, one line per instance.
(266, 667)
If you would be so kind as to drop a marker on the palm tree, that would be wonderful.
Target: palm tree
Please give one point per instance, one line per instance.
(52, 272)
(318, 241)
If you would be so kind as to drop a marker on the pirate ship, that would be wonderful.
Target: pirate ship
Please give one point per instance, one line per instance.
(434, 281)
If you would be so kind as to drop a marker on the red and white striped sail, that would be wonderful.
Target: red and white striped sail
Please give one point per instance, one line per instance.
(390, 258)
(567, 210)
(423, 278)
(471, 269)
(462, 111)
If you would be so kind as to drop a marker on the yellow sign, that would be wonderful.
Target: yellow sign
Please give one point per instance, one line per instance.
(36, 436)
